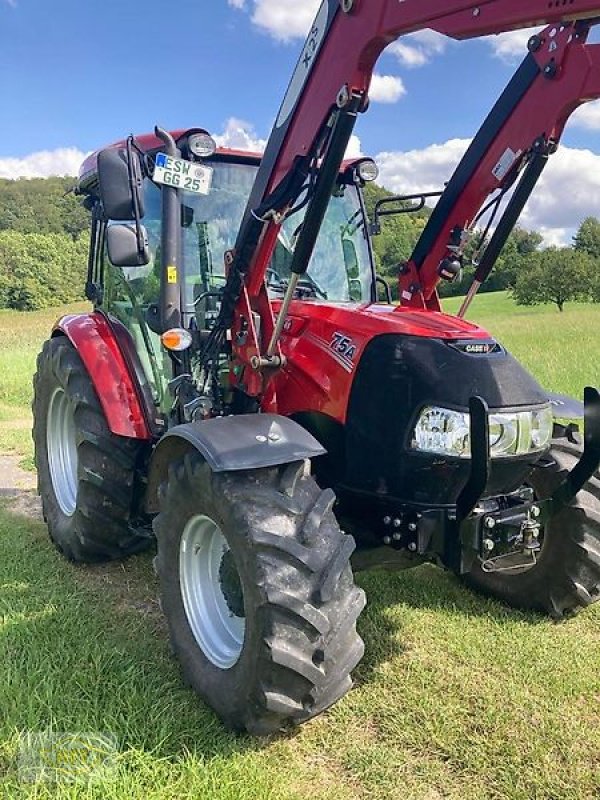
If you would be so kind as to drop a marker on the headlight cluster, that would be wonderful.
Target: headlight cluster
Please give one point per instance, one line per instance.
(447, 432)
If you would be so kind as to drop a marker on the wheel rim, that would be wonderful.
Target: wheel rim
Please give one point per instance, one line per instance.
(211, 591)
(62, 451)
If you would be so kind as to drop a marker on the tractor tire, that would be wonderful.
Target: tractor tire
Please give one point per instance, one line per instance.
(86, 474)
(258, 592)
(566, 577)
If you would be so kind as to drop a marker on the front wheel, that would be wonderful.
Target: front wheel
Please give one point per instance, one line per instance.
(566, 576)
(258, 592)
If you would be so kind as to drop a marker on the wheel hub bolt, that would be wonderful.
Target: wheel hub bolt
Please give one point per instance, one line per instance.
(397, 523)
(412, 526)
(490, 522)
(387, 540)
(396, 537)
(412, 547)
(387, 520)
(488, 545)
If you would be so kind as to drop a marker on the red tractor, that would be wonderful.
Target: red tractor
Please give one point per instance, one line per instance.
(240, 393)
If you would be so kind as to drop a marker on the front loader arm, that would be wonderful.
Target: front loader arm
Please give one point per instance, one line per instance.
(330, 85)
(560, 73)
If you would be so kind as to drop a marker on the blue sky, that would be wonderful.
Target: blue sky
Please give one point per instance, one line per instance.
(77, 74)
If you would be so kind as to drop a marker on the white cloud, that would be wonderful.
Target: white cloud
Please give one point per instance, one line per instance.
(419, 48)
(386, 89)
(240, 135)
(284, 19)
(511, 47)
(237, 134)
(587, 116)
(555, 237)
(556, 207)
(354, 149)
(63, 161)
(420, 170)
(560, 202)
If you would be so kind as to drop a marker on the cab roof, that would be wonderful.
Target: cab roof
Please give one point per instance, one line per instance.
(87, 182)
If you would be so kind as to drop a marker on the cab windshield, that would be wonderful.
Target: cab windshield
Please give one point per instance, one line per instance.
(340, 266)
(339, 269)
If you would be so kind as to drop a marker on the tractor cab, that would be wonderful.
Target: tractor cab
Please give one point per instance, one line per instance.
(125, 279)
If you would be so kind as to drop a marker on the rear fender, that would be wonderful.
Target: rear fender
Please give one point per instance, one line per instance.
(117, 390)
(246, 441)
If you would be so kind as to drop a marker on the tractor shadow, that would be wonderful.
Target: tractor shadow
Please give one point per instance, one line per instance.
(422, 588)
(87, 647)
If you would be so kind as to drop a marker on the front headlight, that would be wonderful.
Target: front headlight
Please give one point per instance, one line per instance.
(447, 432)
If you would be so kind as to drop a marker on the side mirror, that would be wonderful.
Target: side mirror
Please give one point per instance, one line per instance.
(120, 176)
(386, 288)
(123, 247)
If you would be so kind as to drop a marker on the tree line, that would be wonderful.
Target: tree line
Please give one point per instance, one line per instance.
(43, 243)
(44, 240)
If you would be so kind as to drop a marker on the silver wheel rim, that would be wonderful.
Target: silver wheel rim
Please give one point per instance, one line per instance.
(218, 630)
(62, 451)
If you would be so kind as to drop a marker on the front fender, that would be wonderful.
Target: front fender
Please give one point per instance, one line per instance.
(246, 441)
(92, 337)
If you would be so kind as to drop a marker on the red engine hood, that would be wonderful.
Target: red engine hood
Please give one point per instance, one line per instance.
(373, 319)
(323, 344)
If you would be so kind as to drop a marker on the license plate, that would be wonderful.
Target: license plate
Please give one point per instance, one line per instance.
(182, 174)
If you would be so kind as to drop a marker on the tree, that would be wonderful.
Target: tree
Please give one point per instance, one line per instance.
(587, 238)
(399, 234)
(555, 275)
(40, 270)
(41, 205)
(520, 244)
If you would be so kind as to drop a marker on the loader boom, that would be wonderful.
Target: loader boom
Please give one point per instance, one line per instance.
(330, 86)
(512, 147)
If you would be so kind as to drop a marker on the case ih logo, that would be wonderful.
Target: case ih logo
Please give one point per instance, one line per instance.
(477, 348)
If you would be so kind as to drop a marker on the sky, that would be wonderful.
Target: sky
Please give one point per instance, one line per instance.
(76, 75)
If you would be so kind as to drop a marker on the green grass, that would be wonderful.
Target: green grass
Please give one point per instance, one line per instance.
(457, 697)
(562, 350)
(21, 337)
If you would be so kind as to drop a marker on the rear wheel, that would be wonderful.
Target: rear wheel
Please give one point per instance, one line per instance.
(566, 576)
(258, 592)
(86, 474)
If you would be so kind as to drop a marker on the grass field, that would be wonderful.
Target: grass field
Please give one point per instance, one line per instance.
(457, 697)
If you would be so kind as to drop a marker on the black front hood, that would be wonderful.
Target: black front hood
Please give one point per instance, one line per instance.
(396, 377)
